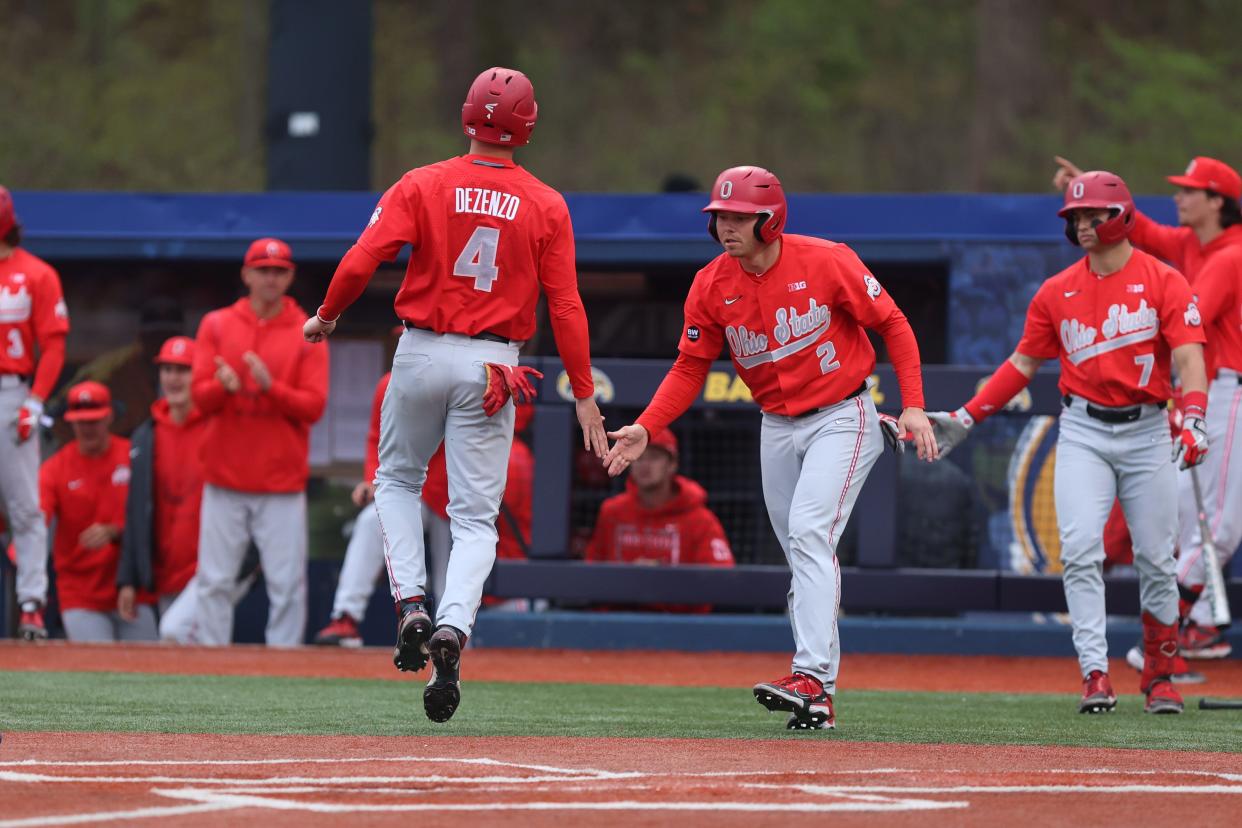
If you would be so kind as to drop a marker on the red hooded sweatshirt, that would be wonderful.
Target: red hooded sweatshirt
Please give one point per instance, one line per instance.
(256, 440)
(177, 494)
(681, 531)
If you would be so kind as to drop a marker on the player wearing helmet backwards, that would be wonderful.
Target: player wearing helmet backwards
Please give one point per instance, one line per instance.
(485, 235)
(1113, 318)
(792, 310)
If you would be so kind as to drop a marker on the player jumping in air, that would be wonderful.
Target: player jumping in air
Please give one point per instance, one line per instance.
(485, 236)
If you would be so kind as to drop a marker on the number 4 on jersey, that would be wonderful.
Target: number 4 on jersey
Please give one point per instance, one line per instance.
(477, 259)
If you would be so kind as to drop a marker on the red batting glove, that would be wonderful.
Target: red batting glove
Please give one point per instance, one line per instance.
(1192, 443)
(505, 381)
(27, 422)
(1176, 419)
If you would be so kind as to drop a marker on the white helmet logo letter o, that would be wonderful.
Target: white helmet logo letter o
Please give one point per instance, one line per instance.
(726, 189)
(1078, 189)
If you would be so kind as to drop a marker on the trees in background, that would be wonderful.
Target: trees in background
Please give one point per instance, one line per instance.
(853, 95)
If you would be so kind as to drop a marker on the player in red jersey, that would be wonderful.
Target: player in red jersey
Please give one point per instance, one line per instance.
(1209, 221)
(792, 310)
(1115, 319)
(33, 326)
(485, 236)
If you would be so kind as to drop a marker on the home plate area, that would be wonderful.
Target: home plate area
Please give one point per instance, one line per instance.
(614, 782)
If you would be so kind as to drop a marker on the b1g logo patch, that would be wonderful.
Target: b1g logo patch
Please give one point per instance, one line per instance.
(692, 333)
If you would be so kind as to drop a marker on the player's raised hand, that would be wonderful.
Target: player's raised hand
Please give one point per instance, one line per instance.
(630, 443)
(317, 329)
(913, 421)
(1067, 170)
(593, 438)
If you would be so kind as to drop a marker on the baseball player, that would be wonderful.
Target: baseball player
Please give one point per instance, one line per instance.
(1210, 222)
(33, 326)
(485, 235)
(1113, 319)
(792, 310)
(260, 388)
(83, 488)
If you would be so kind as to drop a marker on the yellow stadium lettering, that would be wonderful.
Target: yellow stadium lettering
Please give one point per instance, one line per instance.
(717, 387)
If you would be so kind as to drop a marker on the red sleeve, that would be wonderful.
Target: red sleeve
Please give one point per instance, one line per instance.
(207, 391)
(51, 314)
(1214, 287)
(371, 465)
(394, 224)
(702, 335)
(1158, 239)
(558, 274)
(600, 546)
(860, 295)
(348, 282)
(1180, 319)
(51, 361)
(1039, 336)
(306, 396)
(708, 544)
(676, 393)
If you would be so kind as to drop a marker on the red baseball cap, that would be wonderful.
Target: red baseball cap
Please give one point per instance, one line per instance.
(664, 439)
(88, 401)
(269, 252)
(1205, 173)
(176, 350)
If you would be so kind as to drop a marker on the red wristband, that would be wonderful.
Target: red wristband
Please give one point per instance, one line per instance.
(1194, 404)
(1000, 388)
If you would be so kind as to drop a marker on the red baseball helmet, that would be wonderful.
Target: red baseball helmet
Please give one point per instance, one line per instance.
(500, 108)
(7, 217)
(750, 190)
(1099, 190)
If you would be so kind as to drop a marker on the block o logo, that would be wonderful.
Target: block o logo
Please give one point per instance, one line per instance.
(726, 189)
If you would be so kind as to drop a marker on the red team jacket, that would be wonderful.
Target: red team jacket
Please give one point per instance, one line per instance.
(682, 531)
(178, 497)
(485, 235)
(259, 441)
(32, 309)
(77, 491)
(1113, 334)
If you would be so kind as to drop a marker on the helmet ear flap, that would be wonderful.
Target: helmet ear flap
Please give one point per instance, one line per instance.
(764, 218)
(711, 226)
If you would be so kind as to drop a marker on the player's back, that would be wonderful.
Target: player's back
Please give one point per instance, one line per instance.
(483, 232)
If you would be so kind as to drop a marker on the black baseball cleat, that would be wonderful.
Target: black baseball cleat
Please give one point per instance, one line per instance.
(443, 691)
(413, 633)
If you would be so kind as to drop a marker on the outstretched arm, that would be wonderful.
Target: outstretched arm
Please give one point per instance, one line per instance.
(1011, 377)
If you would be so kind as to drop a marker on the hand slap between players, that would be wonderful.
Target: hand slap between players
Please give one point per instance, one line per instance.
(914, 422)
(630, 443)
(505, 381)
(594, 439)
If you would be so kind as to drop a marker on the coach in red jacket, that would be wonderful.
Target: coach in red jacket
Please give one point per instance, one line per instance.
(260, 386)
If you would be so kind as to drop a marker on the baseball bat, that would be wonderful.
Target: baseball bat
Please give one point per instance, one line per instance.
(1220, 704)
(1214, 582)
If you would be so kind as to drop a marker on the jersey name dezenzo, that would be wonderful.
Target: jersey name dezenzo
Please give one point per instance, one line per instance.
(487, 202)
(1122, 327)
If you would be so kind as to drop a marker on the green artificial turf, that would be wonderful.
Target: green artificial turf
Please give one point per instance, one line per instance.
(262, 705)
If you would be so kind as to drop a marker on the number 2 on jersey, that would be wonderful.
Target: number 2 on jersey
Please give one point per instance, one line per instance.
(477, 259)
(827, 353)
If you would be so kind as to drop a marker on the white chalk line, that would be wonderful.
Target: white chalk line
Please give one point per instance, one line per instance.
(113, 816)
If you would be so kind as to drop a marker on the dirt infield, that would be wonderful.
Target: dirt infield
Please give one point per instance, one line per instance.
(49, 778)
(979, 674)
